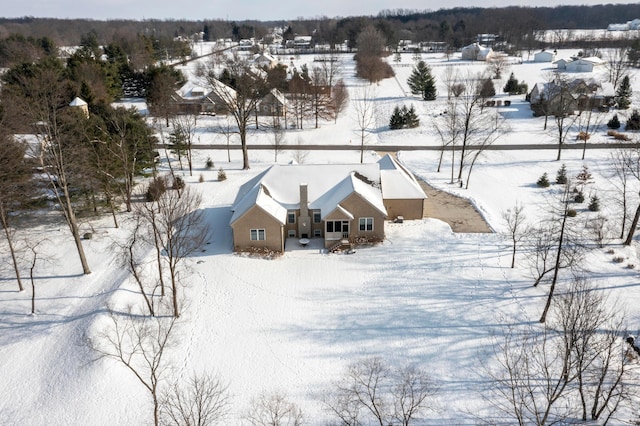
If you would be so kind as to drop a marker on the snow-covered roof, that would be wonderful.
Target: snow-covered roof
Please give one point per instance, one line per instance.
(77, 102)
(191, 90)
(259, 196)
(331, 200)
(281, 183)
(397, 182)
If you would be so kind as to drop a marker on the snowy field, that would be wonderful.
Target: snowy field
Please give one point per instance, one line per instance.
(425, 296)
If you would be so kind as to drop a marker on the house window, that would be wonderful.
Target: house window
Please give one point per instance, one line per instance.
(338, 226)
(317, 217)
(317, 233)
(257, 235)
(291, 217)
(366, 224)
(291, 233)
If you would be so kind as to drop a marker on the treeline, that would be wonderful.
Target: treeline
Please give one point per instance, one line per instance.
(457, 26)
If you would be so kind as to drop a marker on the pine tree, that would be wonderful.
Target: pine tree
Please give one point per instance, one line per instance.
(633, 123)
(561, 176)
(396, 119)
(614, 123)
(487, 89)
(411, 118)
(594, 204)
(513, 86)
(421, 81)
(623, 94)
(543, 182)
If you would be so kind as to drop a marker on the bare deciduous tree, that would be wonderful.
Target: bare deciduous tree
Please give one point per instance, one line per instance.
(202, 401)
(186, 125)
(241, 100)
(339, 98)
(372, 391)
(365, 114)
(517, 228)
(15, 176)
(575, 366)
(279, 138)
(274, 410)
(178, 230)
(139, 344)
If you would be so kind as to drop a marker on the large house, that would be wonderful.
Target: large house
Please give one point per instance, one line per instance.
(565, 97)
(337, 203)
(192, 98)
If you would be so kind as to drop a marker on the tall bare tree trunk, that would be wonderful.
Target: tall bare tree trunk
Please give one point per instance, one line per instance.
(632, 228)
(5, 226)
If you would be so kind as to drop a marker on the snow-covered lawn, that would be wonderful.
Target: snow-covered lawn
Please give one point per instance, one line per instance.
(424, 296)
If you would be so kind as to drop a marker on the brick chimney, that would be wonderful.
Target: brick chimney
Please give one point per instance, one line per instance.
(304, 221)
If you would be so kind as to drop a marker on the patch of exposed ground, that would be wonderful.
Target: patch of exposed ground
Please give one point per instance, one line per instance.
(458, 212)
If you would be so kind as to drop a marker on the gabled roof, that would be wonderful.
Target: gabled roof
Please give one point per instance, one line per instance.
(354, 183)
(259, 196)
(77, 102)
(277, 189)
(398, 182)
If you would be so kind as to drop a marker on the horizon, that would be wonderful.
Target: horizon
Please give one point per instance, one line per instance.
(244, 10)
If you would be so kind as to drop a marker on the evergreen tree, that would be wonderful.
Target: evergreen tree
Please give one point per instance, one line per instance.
(561, 176)
(396, 119)
(633, 123)
(614, 123)
(623, 94)
(513, 86)
(411, 119)
(543, 182)
(421, 81)
(594, 204)
(487, 89)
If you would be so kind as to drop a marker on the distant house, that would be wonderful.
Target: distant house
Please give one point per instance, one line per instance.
(629, 26)
(564, 97)
(544, 56)
(476, 52)
(195, 99)
(332, 202)
(584, 64)
(274, 104)
(302, 42)
(578, 64)
(265, 60)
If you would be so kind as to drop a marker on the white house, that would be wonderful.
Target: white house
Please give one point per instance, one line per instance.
(584, 64)
(544, 56)
(476, 52)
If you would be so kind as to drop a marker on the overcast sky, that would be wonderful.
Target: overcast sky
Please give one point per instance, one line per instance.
(262, 10)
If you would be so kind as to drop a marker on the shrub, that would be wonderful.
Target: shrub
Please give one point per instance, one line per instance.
(617, 135)
(178, 182)
(614, 123)
(633, 123)
(618, 259)
(561, 176)
(201, 178)
(156, 188)
(222, 175)
(583, 136)
(579, 198)
(209, 164)
(571, 213)
(523, 88)
(543, 182)
(594, 204)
